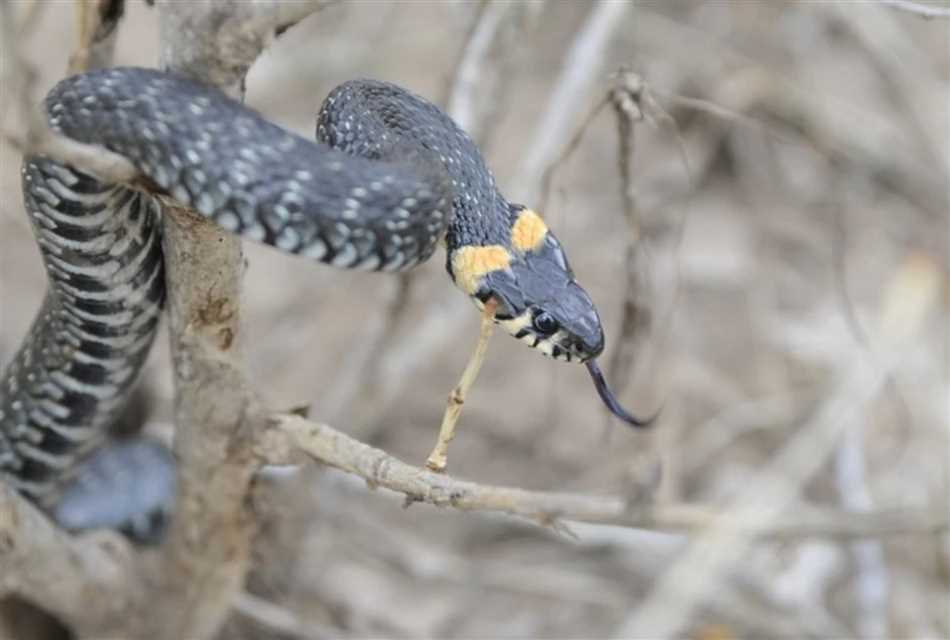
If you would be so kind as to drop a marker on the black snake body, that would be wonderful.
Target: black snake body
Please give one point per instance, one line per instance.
(389, 176)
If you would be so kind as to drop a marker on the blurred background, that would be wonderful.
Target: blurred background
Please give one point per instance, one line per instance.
(789, 278)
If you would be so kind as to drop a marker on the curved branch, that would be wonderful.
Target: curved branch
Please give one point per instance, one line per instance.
(287, 435)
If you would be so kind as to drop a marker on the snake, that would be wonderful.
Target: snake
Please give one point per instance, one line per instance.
(389, 178)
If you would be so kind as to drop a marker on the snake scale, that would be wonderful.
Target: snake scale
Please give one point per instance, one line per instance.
(389, 176)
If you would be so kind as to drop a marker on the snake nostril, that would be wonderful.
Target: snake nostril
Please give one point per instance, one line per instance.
(588, 346)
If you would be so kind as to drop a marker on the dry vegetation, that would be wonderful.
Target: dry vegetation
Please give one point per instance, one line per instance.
(795, 275)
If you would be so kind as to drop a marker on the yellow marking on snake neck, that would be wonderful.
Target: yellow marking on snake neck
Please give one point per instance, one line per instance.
(470, 264)
(528, 232)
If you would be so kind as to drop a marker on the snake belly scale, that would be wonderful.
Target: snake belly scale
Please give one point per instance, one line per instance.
(388, 177)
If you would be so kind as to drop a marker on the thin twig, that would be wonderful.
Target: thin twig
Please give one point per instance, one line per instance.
(439, 326)
(547, 176)
(581, 63)
(926, 11)
(839, 250)
(776, 488)
(462, 104)
(872, 581)
(890, 50)
(438, 459)
(38, 138)
(388, 367)
(278, 618)
(636, 320)
(633, 100)
(793, 101)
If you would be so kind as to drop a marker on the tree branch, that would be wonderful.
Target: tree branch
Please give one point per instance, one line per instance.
(217, 42)
(207, 554)
(926, 11)
(288, 435)
(36, 137)
(98, 22)
(87, 581)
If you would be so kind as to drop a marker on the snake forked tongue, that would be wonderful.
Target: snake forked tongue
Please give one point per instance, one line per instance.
(610, 400)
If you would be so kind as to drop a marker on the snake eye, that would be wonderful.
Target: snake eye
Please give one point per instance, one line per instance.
(545, 323)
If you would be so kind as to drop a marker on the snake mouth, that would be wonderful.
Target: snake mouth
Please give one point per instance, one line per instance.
(559, 345)
(610, 400)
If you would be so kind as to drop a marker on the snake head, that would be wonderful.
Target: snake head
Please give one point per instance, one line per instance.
(538, 299)
(541, 304)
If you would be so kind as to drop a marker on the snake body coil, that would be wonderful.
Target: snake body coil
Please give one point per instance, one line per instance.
(389, 175)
